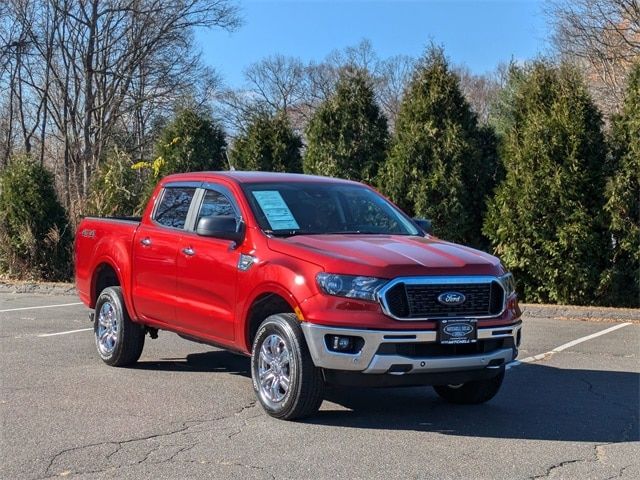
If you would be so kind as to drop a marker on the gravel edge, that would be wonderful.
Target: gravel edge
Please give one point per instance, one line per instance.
(557, 312)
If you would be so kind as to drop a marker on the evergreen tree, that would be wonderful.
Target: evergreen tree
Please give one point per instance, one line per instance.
(442, 164)
(623, 200)
(347, 136)
(35, 239)
(269, 144)
(191, 142)
(545, 220)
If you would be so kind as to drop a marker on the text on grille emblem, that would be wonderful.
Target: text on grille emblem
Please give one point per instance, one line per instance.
(451, 298)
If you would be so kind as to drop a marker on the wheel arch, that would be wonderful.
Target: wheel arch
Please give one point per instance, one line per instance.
(108, 274)
(263, 305)
(104, 275)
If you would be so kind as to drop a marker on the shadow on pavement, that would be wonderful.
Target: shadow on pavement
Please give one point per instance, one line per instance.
(536, 402)
(212, 362)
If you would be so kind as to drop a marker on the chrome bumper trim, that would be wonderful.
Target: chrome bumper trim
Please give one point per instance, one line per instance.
(367, 361)
(382, 363)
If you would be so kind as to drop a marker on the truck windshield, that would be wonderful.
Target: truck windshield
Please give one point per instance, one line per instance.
(286, 209)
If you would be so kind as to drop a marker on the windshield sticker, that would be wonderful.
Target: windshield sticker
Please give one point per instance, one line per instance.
(276, 210)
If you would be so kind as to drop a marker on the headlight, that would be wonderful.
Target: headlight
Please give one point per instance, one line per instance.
(508, 283)
(364, 288)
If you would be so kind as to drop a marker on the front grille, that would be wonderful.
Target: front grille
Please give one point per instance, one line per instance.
(397, 299)
(413, 300)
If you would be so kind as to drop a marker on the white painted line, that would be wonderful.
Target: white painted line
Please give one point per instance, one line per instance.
(64, 333)
(542, 356)
(589, 337)
(43, 306)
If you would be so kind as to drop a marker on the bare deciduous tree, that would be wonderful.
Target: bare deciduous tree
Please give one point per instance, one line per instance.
(79, 73)
(602, 36)
(279, 83)
(393, 76)
(481, 91)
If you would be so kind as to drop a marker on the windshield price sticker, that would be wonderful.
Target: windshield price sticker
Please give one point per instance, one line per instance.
(276, 210)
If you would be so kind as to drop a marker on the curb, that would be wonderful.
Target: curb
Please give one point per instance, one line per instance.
(587, 314)
(38, 288)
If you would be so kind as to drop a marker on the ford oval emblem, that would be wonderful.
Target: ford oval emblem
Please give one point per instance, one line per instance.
(451, 298)
(457, 330)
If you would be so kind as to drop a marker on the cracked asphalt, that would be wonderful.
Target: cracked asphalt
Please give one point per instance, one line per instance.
(188, 411)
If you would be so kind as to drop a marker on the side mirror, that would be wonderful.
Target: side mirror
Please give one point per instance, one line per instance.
(424, 224)
(224, 226)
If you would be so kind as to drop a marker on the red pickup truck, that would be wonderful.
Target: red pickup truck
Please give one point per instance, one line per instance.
(318, 280)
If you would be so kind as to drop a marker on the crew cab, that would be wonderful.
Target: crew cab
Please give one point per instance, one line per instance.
(319, 280)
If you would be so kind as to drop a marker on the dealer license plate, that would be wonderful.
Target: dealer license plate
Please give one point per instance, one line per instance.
(454, 332)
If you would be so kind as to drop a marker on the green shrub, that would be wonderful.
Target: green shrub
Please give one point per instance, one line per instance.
(35, 241)
(115, 187)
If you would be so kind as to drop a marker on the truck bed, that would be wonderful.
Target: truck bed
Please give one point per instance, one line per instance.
(102, 240)
(121, 218)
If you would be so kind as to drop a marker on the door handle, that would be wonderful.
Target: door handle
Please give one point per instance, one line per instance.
(189, 251)
(146, 241)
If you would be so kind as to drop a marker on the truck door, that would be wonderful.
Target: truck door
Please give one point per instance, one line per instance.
(155, 251)
(207, 271)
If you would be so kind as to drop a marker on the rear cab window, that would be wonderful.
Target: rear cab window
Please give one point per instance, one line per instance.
(174, 206)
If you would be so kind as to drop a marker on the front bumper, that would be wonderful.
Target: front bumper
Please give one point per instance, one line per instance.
(369, 361)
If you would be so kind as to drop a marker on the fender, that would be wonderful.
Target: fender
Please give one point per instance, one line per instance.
(120, 262)
(277, 278)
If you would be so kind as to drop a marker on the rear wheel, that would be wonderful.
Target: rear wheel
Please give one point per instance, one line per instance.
(119, 341)
(287, 383)
(469, 393)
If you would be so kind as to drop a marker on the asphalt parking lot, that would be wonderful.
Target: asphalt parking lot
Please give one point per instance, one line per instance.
(188, 411)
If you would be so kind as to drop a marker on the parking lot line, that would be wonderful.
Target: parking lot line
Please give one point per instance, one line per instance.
(64, 333)
(564, 346)
(39, 307)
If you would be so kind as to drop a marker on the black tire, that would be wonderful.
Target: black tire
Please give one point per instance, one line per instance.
(305, 391)
(471, 393)
(125, 338)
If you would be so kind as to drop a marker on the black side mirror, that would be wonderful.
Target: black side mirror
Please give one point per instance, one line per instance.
(223, 226)
(424, 224)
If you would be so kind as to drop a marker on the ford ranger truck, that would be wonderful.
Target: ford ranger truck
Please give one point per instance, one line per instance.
(319, 280)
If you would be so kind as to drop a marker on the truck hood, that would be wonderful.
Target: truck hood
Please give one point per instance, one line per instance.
(387, 256)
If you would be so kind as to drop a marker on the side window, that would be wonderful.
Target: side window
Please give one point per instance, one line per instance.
(173, 209)
(215, 204)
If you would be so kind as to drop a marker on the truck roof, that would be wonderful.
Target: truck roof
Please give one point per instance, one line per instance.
(253, 177)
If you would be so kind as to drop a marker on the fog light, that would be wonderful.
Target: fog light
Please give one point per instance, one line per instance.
(341, 344)
(344, 343)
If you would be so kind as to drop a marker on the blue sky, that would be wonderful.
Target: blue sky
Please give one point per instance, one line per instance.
(479, 34)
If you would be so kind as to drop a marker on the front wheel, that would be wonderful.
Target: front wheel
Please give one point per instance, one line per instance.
(119, 340)
(478, 391)
(287, 383)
